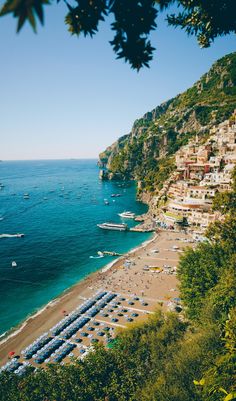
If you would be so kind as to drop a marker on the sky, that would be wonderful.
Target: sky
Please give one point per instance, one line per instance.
(67, 97)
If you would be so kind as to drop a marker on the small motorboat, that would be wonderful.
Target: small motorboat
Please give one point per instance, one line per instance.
(127, 215)
(111, 253)
(113, 226)
(13, 264)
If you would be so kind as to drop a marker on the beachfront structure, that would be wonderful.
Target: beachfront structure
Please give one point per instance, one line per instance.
(187, 205)
(195, 213)
(203, 219)
(181, 190)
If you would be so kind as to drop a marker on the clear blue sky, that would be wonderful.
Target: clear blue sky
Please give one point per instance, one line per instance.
(64, 97)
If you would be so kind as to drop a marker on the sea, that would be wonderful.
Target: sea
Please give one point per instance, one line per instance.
(59, 222)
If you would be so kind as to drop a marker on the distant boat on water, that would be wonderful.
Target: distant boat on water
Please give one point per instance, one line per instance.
(115, 195)
(113, 226)
(12, 235)
(127, 215)
(109, 253)
(13, 264)
(26, 196)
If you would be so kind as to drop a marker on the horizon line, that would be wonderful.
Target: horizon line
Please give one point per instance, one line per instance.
(48, 159)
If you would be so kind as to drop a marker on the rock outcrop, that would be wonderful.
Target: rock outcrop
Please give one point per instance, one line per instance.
(146, 153)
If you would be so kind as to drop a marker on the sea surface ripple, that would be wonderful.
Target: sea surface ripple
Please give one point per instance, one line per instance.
(66, 202)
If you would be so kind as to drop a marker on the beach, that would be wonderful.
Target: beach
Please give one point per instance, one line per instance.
(142, 272)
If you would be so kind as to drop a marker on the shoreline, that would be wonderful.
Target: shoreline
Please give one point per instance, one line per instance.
(157, 287)
(15, 330)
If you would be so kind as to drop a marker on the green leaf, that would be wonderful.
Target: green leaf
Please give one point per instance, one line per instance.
(31, 19)
(231, 396)
(223, 390)
(39, 11)
(21, 21)
(199, 383)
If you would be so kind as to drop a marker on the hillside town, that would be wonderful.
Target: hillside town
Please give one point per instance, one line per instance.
(201, 171)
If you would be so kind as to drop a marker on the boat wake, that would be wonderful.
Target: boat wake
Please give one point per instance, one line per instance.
(25, 209)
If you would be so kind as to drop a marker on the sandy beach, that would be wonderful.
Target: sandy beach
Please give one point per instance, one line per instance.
(143, 272)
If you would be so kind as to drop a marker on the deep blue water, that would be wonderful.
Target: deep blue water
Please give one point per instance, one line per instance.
(60, 232)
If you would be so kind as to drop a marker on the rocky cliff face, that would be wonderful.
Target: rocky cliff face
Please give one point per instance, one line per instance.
(146, 153)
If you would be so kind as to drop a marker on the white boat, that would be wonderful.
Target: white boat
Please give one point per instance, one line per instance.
(115, 195)
(12, 235)
(13, 264)
(113, 226)
(127, 215)
(26, 196)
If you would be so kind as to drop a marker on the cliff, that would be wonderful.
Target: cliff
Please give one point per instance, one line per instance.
(146, 153)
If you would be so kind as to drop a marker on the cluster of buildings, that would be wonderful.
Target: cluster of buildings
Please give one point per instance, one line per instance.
(202, 170)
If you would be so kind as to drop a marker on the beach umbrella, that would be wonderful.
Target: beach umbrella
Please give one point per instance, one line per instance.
(11, 353)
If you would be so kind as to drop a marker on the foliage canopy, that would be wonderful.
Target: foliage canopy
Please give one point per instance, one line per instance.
(134, 20)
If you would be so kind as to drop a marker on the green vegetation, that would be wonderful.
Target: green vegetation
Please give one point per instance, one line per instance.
(133, 21)
(115, 374)
(146, 154)
(226, 201)
(212, 264)
(163, 358)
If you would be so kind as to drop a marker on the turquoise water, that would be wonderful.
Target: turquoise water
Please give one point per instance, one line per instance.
(60, 231)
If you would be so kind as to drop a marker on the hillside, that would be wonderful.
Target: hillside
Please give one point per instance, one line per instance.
(146, 152)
